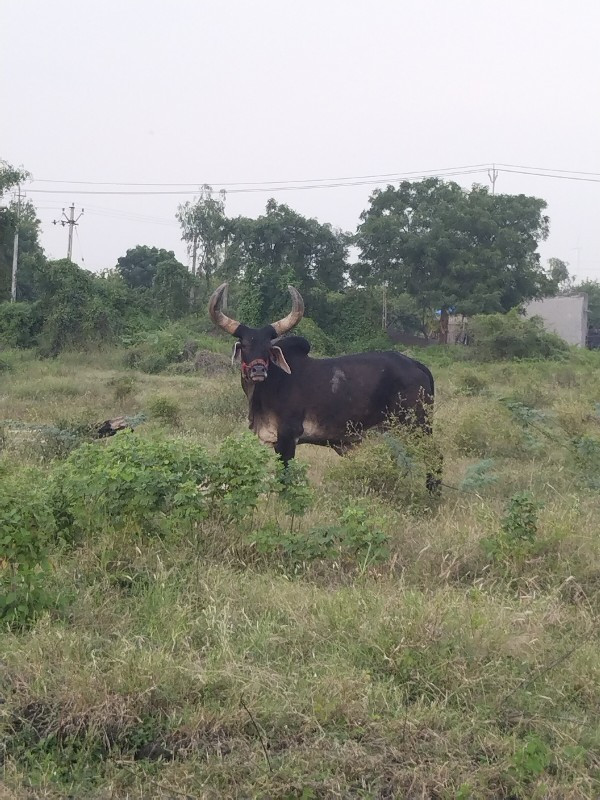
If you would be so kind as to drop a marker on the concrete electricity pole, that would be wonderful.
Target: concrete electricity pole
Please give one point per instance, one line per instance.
(493, 176)
(13, 286)
(71, 222)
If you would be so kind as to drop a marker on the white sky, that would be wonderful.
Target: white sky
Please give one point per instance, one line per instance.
(198, 91)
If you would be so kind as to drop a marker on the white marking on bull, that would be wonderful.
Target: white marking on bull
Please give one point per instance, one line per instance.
(266, 429)
(311, 429)
(338, 375)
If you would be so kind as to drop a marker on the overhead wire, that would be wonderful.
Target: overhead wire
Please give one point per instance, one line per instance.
(378, 175)
(251, 189)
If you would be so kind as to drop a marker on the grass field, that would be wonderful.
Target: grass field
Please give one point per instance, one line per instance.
(426, 649)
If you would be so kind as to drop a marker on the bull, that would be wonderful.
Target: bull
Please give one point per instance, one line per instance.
(296, 399)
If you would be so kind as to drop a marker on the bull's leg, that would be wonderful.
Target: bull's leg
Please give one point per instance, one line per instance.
(420, 420)
(433, 480)
(285, 446)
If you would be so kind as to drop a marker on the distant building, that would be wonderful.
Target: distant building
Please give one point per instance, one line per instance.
(565, 315)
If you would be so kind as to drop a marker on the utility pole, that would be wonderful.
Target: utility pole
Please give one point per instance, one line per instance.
(13, 286)
(493, 175)
(384, 307)
(71, 222)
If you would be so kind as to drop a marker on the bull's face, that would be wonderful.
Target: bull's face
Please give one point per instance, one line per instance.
(257, 348)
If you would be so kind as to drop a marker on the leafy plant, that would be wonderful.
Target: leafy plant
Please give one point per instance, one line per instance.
(122, 386)
(586, 452)
(507, 336)
(478, 476)
(131, 479)
(165, 408)
(518, 531)
(531, 760)
(358, 536)
(295, 490)
(26, 527)
(244, 470)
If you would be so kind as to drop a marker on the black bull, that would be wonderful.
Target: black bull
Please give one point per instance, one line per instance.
(323, 401)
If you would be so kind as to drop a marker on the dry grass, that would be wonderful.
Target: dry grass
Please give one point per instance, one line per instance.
(438, 673)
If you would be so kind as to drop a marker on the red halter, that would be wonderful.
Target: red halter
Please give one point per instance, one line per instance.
(247, 367)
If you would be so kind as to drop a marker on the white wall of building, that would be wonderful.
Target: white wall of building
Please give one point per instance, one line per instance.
(566, 316)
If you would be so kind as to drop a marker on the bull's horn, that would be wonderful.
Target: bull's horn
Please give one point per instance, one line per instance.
(293, 318)
(217, 316)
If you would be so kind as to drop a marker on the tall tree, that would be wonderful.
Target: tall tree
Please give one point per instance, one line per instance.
(281, 247)
(453, 250)
(592, 289)
(559, 274)
(171, 289)
(204, 227)
(138, 267)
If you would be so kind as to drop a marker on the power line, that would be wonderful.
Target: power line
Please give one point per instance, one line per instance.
(549, 169)
(249, 190)
(548, 175)
(379, 175)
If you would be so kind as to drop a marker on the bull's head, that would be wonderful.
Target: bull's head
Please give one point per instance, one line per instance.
(257, 347)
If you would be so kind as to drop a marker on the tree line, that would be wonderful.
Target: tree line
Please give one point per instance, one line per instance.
(437, 248)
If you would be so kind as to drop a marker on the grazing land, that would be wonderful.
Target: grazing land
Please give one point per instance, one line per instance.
(361, 640)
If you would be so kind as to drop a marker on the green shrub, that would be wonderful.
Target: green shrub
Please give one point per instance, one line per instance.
(586, 456)
(129, 480)
(153, 351)
(244, 469)
(165, 409)
(498, 337)
(358, 536)
(122, 386)
(393, 465)
(19, 324)
(517, 537)
(26, 528)
(471, 384)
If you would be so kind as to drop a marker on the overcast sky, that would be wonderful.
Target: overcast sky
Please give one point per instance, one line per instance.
(192, 91)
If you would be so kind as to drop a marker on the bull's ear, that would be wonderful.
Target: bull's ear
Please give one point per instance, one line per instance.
(278, 358)
(237, 353)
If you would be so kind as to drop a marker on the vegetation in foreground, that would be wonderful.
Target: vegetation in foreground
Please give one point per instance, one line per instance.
(182, 624)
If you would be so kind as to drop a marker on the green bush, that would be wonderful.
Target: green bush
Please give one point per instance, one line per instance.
(358, 536)
(26, 528)
(321, 344)
(393, 465)
(129, 480)
(471, 384)
(518, 533)
(123, 386)
(165, 409)
(498, 337)
(19, 324)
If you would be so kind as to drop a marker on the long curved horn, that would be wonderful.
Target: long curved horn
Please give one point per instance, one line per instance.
(293, 318)
(218, 317)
